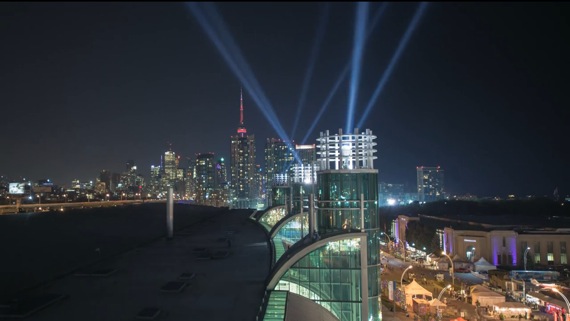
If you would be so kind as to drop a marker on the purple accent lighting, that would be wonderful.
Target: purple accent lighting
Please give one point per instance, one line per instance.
(494, 247)
(513, 249)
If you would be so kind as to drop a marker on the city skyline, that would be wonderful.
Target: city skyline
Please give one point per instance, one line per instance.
(479, 89)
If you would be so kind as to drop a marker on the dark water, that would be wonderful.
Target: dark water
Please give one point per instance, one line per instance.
(38, 247)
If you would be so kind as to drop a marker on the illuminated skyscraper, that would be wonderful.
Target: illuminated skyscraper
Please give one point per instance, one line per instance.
(278, 164)
(221, 174)
(155, 180)
(306, 171)
(258, 187)
(131, 183)
(205, 176)
(172, 174)
(105, 177)
(242, 166)
(304, 176)
(430, 184)
(170, 166)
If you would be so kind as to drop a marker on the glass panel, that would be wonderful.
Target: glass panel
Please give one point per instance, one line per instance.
(325, 275)
(272, 216)
(339, 210)
(276, 306)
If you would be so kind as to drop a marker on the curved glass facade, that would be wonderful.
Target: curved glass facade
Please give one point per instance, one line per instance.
(290, 232)
(339, 209)
(331, 276)
(272, 216)
(338, 267)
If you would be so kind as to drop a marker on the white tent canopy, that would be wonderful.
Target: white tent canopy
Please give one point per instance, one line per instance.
(512, 308)
(413, 290)
(483, 265)
(485, 296)
(437, 303)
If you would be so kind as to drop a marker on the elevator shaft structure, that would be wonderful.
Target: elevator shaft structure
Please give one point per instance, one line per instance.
(348, 198)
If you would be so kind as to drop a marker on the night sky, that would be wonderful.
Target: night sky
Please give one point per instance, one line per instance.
(481, 90)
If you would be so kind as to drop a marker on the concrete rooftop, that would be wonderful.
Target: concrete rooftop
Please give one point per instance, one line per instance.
(229, 287)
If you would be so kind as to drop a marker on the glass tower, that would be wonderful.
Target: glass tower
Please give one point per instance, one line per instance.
(335, 262)
(348, 198)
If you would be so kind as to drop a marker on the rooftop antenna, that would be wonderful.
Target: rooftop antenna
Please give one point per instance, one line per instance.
(241, 107)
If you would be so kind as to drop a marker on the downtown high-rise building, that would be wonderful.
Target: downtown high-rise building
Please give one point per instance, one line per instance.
(279, 161)
(155, 182)
(105, 177)
(169, 166)
(131, 183)
(221, 174)
(189, 181)
(242, 167)
(169, 173)
(306, 170)
(430, 183)
(205, 176)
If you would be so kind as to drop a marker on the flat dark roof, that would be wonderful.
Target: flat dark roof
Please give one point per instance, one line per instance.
(229, 285)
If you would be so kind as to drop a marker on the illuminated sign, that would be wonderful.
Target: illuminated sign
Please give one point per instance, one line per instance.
(468, 240)
(17, 188)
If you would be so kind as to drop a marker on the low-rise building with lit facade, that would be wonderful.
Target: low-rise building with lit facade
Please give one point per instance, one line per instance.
(501, 245)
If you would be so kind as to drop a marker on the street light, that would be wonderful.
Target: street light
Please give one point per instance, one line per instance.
(452, 272)
(524, 256)
(443, 290)
(389, 240)
(439, 298)
(565, 300)
(402, 285)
